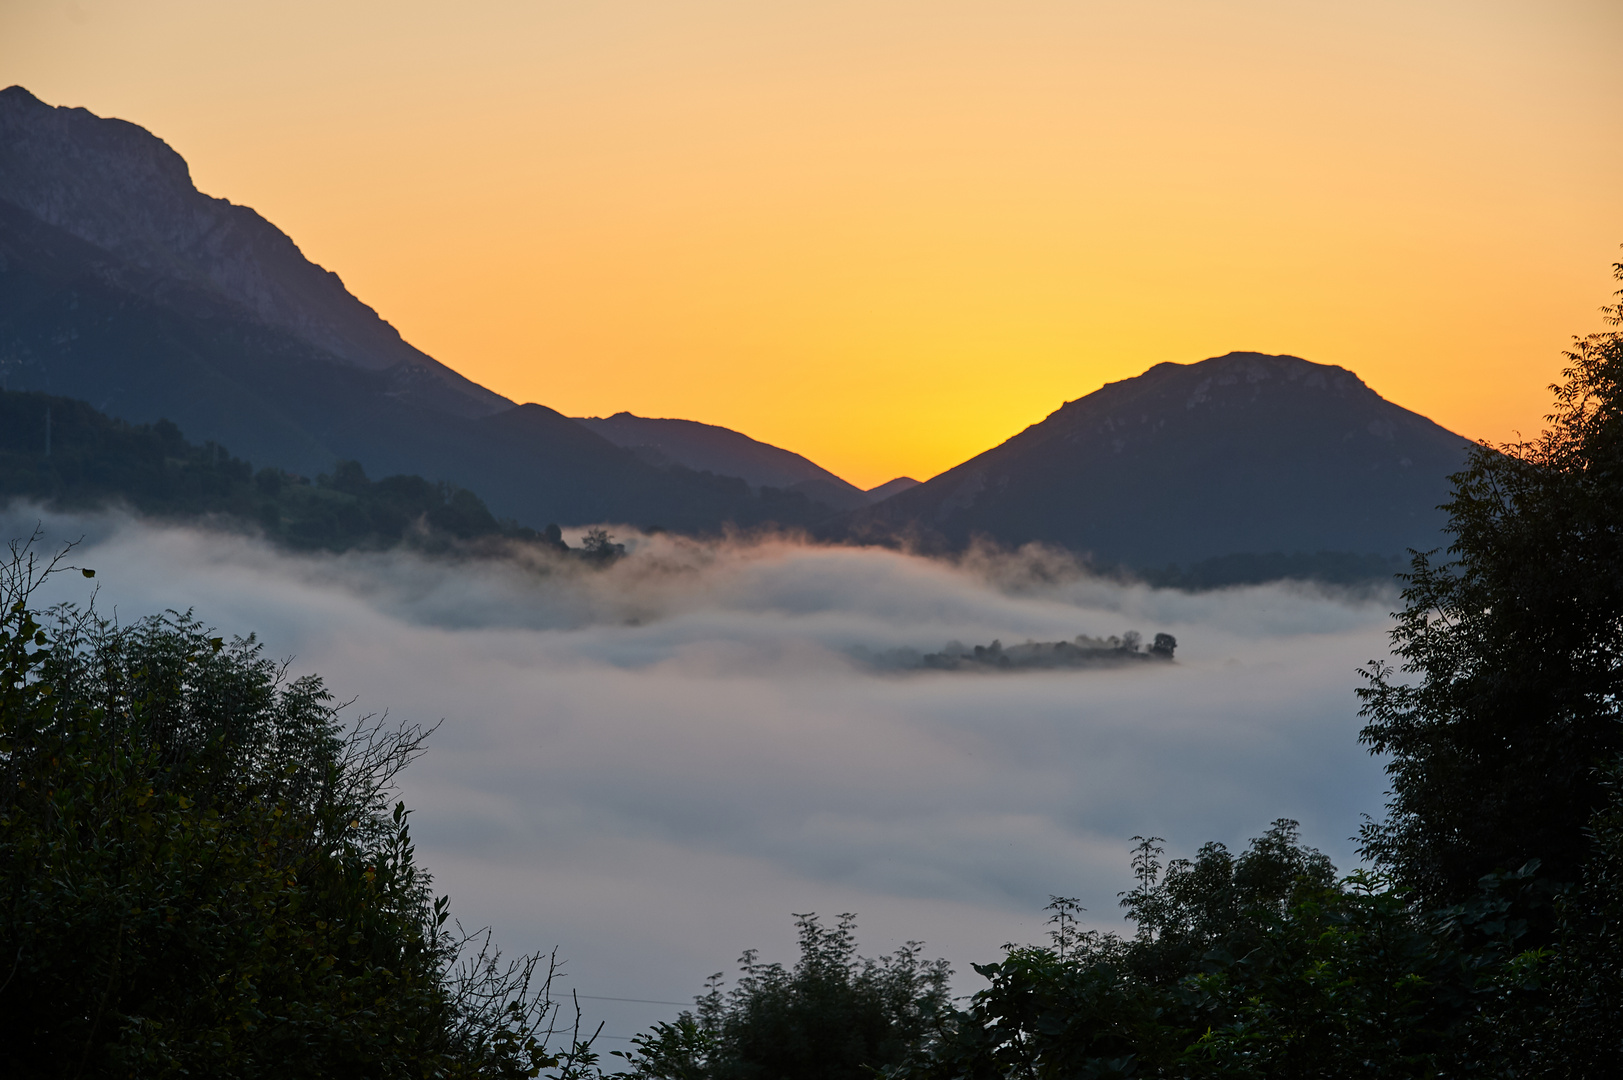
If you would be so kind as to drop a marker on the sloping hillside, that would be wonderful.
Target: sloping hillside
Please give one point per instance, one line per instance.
(119, 189)
(1244, 453)
(725, 452)
(122, 285)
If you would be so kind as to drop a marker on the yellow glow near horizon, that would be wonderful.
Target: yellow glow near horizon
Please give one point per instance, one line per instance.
(890, 235)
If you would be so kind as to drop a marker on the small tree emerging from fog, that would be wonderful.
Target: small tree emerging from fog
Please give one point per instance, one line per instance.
(598, 546)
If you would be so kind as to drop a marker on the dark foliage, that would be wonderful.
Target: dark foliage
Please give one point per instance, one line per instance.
(1579, 1031)
(835, 1016)
(94, 459)
(1256, 965)
(200, 873)
(1506, 706)
(1084, 651)
(598, 546)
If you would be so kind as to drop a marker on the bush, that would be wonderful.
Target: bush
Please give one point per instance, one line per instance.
(1256, 965)
(201, 874)
(835, 1016)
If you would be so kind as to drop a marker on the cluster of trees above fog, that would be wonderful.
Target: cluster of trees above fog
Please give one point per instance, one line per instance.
(1082, 651)
(66, 454)
(201, 872)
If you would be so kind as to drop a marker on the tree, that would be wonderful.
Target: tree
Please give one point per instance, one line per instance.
(598, 546)
(1260, 964)
(1100, 1005)
(835, 1016)
(201, 873)
(1504, 709)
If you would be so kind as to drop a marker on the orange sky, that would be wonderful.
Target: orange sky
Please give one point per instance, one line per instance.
(888, 235)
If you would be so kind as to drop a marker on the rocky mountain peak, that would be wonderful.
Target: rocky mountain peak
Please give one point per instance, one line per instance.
(117, 186)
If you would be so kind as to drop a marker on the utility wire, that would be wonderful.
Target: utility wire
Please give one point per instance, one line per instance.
(635, 1001)
(639, 1001)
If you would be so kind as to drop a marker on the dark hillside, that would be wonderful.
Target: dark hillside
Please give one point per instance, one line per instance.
(1244, 454)
(119, 189)
(891, 487)
(64, 454)
(709, 448)
(122, 285)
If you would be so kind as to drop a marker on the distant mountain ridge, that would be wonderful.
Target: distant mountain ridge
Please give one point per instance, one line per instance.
(891, 487)
(710, 448)
(1242, 453)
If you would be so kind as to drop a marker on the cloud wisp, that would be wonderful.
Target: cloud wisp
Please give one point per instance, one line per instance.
(652, 765)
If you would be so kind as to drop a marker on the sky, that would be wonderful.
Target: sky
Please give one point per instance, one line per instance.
(889, 235)
(650, 768)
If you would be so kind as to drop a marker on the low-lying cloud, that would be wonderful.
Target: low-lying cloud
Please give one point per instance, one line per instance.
(652, 765)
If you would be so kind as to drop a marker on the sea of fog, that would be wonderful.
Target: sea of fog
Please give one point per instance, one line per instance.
(649, 767)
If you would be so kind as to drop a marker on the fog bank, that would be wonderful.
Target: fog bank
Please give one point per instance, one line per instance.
(652, 765)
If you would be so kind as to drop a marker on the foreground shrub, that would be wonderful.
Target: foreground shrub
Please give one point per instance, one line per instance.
(833, 1016)
(201, 874)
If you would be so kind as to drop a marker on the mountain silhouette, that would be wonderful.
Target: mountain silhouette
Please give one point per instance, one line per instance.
(1186, 463)
(710, 448)
(891, 487)
(118, 188)
(123, 285)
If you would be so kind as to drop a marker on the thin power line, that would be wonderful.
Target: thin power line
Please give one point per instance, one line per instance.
(639, 1001)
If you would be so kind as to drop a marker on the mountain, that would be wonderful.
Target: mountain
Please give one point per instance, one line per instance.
(114, 186)
(891, 487)
(123, 285)
(1225, 460)
(709, 448)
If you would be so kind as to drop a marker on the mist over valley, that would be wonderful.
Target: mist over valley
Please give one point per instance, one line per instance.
(649, 765)
(689, 681)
